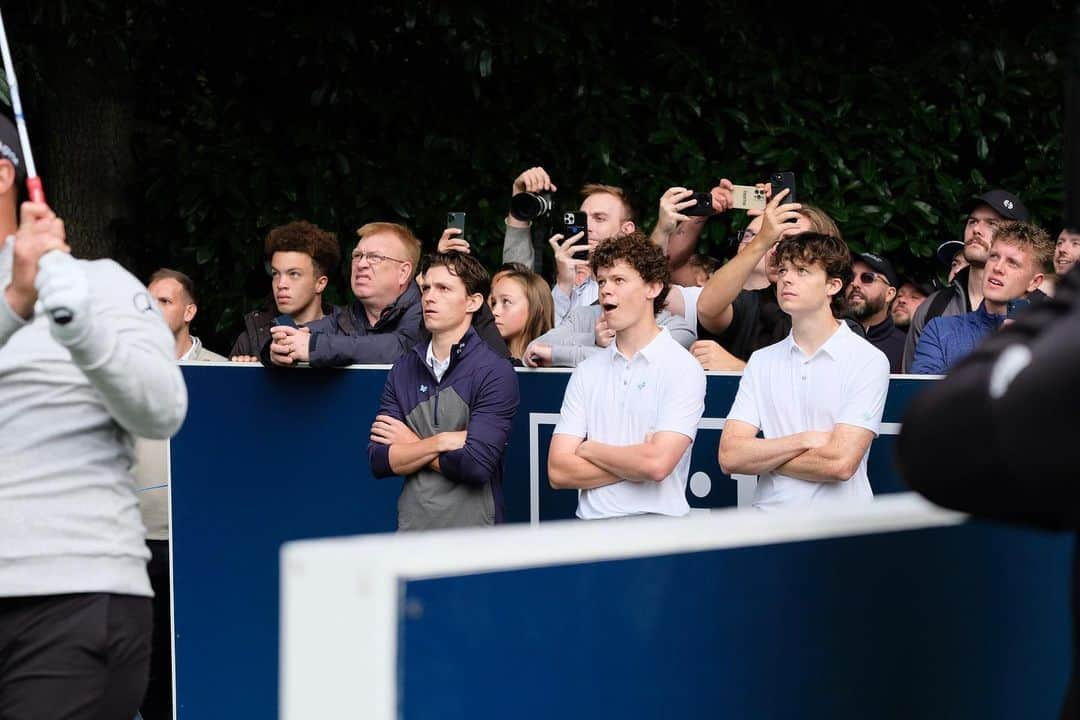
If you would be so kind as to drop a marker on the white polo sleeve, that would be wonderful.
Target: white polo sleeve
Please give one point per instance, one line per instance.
(572, 417)
(683, 403)
(747, 407)
(865, 391)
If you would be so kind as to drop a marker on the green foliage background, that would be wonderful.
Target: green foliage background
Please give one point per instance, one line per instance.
(252, 115)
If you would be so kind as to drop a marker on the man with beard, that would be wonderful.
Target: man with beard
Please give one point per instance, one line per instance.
(870, 297)
(964, 293)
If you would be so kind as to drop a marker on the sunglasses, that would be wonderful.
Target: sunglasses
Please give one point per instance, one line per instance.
(868, 278)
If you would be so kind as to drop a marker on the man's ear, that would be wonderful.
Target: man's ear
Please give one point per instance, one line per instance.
(627, 227)
(653, 289)
(189, 312)
(7, 177)
(1036, 281)
(833, 285)
(320, 283)
(890, 295)
(474, 302)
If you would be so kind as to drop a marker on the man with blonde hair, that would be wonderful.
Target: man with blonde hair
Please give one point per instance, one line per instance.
(383, 322)
(1020, 256)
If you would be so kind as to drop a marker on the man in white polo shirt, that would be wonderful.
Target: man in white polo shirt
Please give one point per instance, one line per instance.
(816, 396)
(630, 412)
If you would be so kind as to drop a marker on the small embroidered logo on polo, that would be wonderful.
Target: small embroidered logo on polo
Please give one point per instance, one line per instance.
(641, 385)
(423, 388)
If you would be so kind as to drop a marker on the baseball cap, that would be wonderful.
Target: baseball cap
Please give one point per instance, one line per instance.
(1005, 203)
(924, 287)
(882, 266)
(10, 148)
(947, 250)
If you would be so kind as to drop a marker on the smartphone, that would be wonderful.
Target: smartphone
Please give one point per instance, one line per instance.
(574, 223)
(781, 180)
(702, 205)
(748, 197)
(1015, 307)
(284, 320)
(456, 220)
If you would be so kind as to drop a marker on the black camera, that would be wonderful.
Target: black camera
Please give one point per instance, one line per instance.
(529, 206)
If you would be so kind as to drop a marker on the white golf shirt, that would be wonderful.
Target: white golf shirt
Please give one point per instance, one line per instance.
(618, 401)
(783, 392)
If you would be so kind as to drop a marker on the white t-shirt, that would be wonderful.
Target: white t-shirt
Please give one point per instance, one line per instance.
(615, 400)
(783, 392)
(690, 294)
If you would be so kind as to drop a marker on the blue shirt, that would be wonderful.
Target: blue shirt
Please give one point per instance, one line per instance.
(947, 340)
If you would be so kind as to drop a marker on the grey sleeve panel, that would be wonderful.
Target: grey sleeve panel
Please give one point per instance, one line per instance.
(681, 330)
(517, 246)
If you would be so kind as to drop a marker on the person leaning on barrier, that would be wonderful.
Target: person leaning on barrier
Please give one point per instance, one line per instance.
(1020, 255)
(817, 396)
(630, 413)
(383, 322)
(964, 292)
(301, 258)
(998, 399)
(445, 413)
(86, 363)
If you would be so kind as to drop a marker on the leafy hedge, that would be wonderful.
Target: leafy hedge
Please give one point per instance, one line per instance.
(273, 113)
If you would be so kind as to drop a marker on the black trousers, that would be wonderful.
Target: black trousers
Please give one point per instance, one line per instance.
(73, 657)
(157, 705)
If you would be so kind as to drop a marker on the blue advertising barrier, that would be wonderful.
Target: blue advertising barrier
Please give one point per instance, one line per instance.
(268, 456)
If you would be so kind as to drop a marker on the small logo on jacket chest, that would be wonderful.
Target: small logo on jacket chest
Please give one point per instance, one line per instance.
(423, 388)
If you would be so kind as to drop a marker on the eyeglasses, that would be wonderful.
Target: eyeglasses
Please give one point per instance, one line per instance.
(373, 258)
(868, 278)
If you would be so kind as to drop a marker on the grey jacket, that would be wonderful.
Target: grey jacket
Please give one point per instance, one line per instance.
(575, 339)
(958, 305)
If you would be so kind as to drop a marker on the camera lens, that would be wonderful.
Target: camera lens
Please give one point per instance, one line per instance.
(529, 206)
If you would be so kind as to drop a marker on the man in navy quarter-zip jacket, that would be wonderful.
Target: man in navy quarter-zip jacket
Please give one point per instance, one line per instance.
(446, 410)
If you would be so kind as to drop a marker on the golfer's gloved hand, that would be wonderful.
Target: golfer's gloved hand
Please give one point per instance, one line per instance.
(64, 295)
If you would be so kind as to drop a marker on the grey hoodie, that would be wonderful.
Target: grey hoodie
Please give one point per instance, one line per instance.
(69, 518)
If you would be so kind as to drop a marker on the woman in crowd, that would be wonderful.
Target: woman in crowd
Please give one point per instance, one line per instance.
(521, 302)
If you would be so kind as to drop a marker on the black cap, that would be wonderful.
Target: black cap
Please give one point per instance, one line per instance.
(10, 148)
(947, 250)
(924, 287)
(882, 266)
(1005, 204)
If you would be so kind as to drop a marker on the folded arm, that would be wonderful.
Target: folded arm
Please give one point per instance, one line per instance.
(567, 470)
(652, 460)
(742, 452)
(835, 461)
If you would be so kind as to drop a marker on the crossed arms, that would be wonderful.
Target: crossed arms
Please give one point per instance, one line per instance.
(822, 457)
(577, 463)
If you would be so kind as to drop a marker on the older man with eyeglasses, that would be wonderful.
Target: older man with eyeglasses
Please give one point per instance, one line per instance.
(870, 298)
(381, 325)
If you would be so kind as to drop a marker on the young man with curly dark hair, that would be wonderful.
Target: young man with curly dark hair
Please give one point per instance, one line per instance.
(301, 257)
(816, 396)
(630, 412)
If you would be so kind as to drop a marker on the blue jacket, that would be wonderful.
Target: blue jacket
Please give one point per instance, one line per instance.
(479, 394)
(947, 339)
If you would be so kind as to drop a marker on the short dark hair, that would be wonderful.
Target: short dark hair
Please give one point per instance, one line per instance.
(304, 237)
(170, 274)
(828, 251)
(463, 265)
(640, 253)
